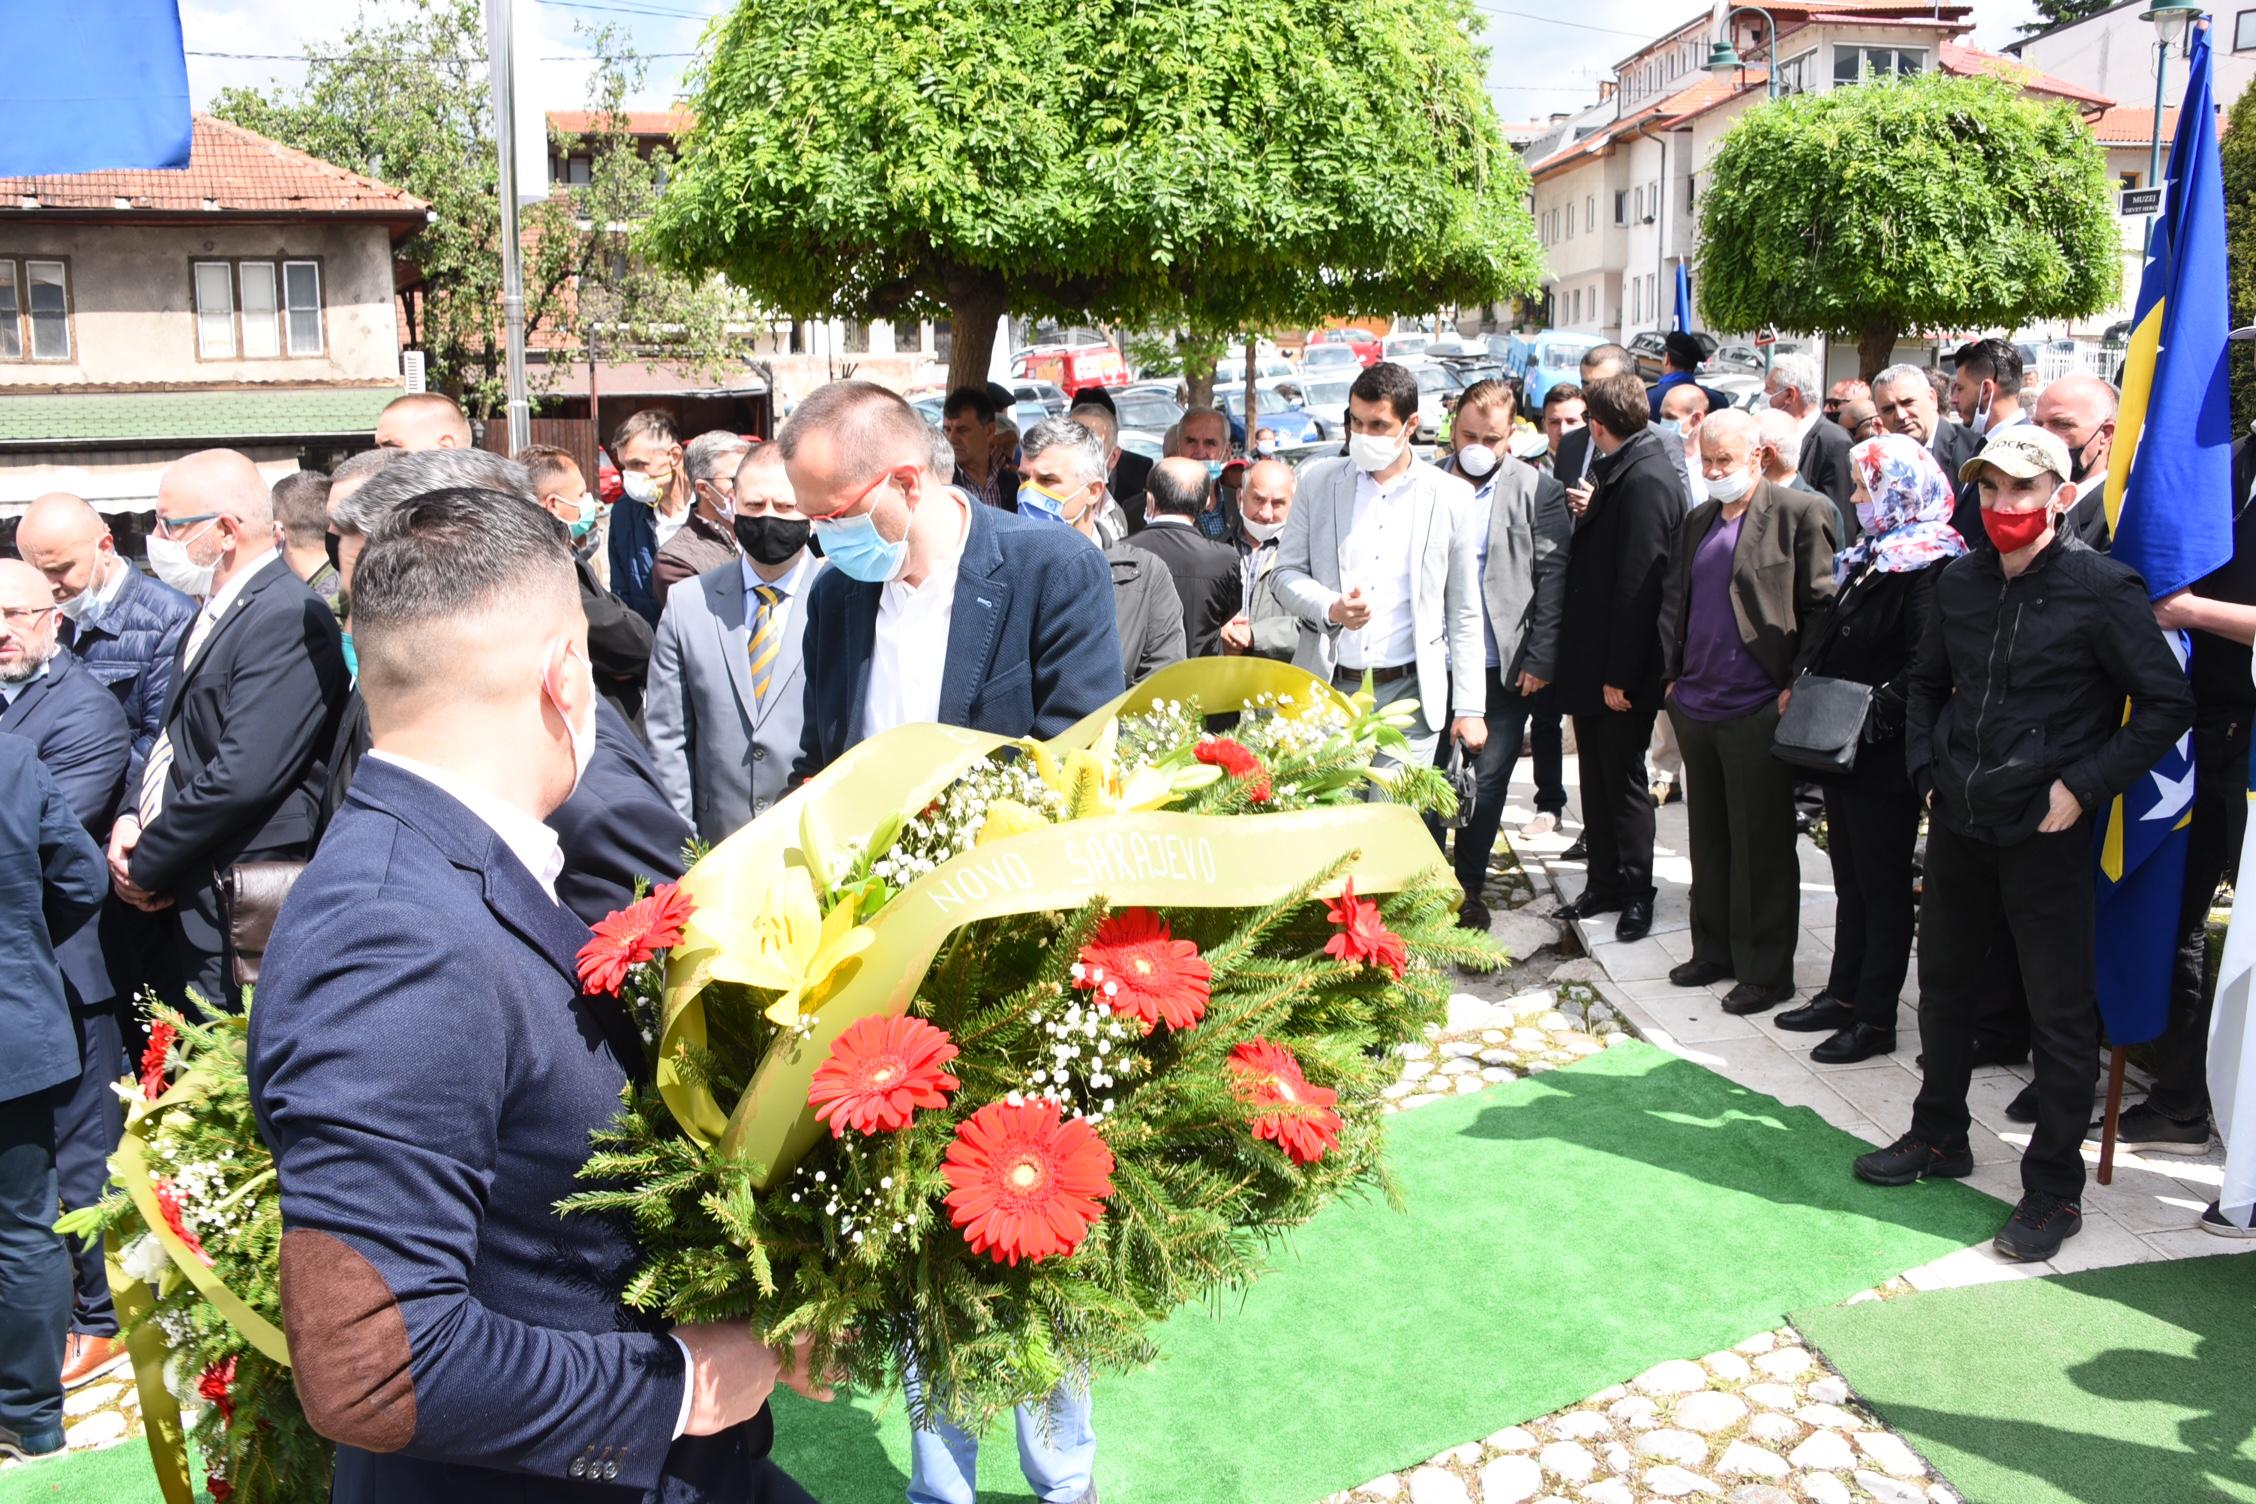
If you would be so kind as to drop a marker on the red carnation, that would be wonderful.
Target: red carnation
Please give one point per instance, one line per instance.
(1297, 1116)
(879, 1072)
(154, 1059)
(168, 1203)
(1135, 963)
(1027, 1185)
(632, 936)
(1236, 759)
(1363, 934)
(217, 1387)
(219, 1488)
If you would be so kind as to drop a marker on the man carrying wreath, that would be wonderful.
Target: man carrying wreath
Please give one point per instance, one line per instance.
(427, 1072)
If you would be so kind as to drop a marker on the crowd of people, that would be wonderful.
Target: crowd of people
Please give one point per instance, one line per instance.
(458, 707)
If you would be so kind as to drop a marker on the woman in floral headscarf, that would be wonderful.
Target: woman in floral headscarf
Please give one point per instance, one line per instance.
(1887, 588)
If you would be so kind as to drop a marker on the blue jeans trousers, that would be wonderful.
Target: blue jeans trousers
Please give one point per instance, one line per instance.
(1060, 1467)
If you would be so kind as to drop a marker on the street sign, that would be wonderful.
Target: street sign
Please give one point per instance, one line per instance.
(1766, 338)
(2138, 201)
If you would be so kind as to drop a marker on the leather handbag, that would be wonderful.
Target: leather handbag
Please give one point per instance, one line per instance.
(1823, 723)
(250, 896)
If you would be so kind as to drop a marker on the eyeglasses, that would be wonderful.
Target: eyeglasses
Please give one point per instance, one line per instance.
(171, 527)
(880, 479)
(24, 616)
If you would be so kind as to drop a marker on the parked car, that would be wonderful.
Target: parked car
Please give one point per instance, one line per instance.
(1032, 401)
(1746, 355)
(930, 408)
(1141, 441)
(1326, 397)
(1329, 358)
(1648, 348)
(1554, 356)
(1274, 408)
(1271, 363)
(1362, 341)
(1147, 408)
(1405, 347)
(1071, 367)
(1436, 391)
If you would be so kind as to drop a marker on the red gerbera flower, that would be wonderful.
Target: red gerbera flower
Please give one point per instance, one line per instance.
(1363, 934)
(217, 1387)
(1299, 1118)
(219, 1488)
(162, 1037)
(632, 936)
(168, 1203)
(879, 1072)
(1238, 760)
(1027, 1184)
(1135, 963)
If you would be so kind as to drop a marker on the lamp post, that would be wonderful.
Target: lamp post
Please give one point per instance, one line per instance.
(1724, 58)
(2171, 19)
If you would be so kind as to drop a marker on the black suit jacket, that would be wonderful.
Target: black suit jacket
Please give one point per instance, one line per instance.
(1206, 581)
(1824, 463)
(51, 883)
(252, 720)
(1616, 568)
(1573, 457)
(1131, 477)
(618, 826)
(619, 642)
(80, 733)
(1033, 645)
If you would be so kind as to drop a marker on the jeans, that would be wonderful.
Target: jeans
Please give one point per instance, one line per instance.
(88, 1123)
(2041, 888)
(1746, 874)
(944, 1462)
(1546, 738)
(1617, 802)
(1507, 718)
(2220, 816)
(1424, 735)
(1870, 836)
(35, 1274)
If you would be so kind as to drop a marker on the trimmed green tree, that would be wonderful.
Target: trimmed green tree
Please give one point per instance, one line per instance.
(1931, 203)
(2238, 163)
(1215, 164)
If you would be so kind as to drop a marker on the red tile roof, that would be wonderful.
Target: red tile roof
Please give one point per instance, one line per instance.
(1701, 92)
(638, 122)
(2133, 125)
(1967, 61)
(229, 169)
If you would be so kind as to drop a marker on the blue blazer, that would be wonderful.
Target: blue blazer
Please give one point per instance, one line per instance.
(132, 648)
(52, 879)
(427, 1073)
(1033, 642)
(617, 826)
(80, 733)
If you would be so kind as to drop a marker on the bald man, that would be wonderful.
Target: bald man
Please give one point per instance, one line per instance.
(2081, 409)
(237, 770)
(1264, 626)
(124, 626)
(422, 420)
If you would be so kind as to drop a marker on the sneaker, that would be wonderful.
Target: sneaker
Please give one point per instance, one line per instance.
(1910, 1158)
(2214, 1221)
(1542, 825)
(20, 1445)
(2037, 1228)
(2147, 1129)
(87, 1357)
(1473, 915)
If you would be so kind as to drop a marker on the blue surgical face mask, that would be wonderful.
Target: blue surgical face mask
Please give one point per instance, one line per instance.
(854, 545)
(1670, 429)
(352, 659)
(585, 522)
(1213, 470)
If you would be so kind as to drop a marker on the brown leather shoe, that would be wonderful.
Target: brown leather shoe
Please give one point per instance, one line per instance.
(86, 1358)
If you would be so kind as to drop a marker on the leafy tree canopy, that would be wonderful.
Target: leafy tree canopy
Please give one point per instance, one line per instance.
(1213, 163)
(2237, 160)
(1935, 202)
(2051, 13)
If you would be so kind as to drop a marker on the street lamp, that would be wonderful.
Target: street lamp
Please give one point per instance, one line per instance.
(2172, 19)
(1724, 58)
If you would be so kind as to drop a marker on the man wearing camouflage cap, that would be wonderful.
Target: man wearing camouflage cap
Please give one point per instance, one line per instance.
(2017, 742)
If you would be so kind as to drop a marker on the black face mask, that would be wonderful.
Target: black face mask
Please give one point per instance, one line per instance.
(330, 543)
(2079, 466)
(771, 540)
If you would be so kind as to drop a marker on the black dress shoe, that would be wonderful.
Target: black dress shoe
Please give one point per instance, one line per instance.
(1854, 1043)
(2038, 1226)
(1998, 1052)
(1909, 1159)
(1590, 905)
(1578, 852)
(1636, 921)
(2023, 1107)
(1748, 998)
(1698, 973)
(1473, 915)
(2145, 1128)
(1822, 1014)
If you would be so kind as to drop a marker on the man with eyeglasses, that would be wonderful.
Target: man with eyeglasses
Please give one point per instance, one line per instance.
(707, 541)
(238, 766)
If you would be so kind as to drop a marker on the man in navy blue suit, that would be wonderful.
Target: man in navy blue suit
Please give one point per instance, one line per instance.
(51, 882)
(50, 699)
(933, 608)
(427, 1073)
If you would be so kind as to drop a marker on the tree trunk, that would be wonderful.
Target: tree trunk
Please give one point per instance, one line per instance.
(1198, 376)
(974, 309)
(1875, 348)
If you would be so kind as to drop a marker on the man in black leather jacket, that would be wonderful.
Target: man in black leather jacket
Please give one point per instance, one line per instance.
(2016, 739)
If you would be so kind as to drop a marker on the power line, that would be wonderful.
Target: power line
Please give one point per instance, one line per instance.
(1496, 10)
(316, 57)
(633, 8)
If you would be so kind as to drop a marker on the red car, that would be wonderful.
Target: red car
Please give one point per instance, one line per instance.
(1362, 342)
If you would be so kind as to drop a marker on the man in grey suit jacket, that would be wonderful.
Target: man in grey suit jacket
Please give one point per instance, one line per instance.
(1381, 567)
(1521, 527)
(1265, 626)
(724, 704)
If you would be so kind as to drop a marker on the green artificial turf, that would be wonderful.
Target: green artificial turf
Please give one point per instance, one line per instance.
(2134, 1385)
(1563, 1233)
(114, 1475)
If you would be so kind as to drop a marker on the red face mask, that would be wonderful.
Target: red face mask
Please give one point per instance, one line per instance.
(2014, 531)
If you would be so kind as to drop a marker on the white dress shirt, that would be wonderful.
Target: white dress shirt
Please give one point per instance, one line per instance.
(149, 800)
(911, 650)
(1378, 560)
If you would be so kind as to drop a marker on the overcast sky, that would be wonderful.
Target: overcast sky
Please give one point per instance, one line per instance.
(1560, 59)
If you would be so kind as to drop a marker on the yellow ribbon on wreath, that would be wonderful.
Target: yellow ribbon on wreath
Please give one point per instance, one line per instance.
(1178, 860)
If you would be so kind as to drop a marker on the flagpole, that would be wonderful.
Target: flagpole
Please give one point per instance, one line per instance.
(500, 36)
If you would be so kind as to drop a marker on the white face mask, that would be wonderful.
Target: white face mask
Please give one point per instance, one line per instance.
(583, 737)
(1729, 488)
(1260, 532)
(77, 606)
(1371, 452)
(1476, 461)
(170, 559)
(638, 486)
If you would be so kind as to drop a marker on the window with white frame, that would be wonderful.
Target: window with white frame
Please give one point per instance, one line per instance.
(35, 309)
(1639, 217)
(1621, 206)
(1855, 64)
(1570, 224)
(1797, 73)
(257, 309)
(1590, 212)
(2244, 31)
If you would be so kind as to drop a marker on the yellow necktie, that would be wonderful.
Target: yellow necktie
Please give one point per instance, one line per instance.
(767, 639)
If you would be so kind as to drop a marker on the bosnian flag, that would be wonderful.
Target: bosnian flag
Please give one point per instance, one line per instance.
(89, 90)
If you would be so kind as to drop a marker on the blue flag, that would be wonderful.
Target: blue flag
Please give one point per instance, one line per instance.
(92, 92)
(2169, 500)
(1683, 298)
